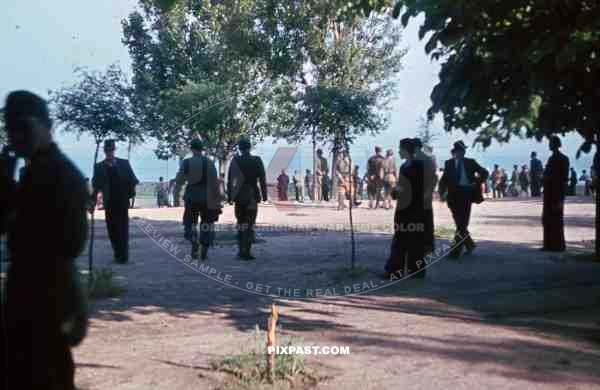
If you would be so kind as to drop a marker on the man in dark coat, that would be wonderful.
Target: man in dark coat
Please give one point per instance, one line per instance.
(462, 179)
(201, 197)
(115, 179)
(408, 244)
(375, 170)
(47, 232)
(283, 183)
(536, 170)
(556, 176)
(245, 173)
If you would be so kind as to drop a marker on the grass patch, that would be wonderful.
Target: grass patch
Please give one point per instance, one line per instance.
(248, 369)
(444, 232)
(103, 284)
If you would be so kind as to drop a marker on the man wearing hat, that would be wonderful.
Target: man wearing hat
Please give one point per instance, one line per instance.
(114, 178)
(201, 198)
(42, 315)
(375, 170)
(462, 180)
(429, 182)
(245, 173)
(556, 177)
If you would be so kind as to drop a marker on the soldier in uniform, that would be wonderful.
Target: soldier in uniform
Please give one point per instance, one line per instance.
(39, 321)
(201, 197)
(115, 179)
(375, 171)
(321, 169)
(245, 172)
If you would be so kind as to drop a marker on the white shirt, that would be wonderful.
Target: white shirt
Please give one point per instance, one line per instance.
(464, 180)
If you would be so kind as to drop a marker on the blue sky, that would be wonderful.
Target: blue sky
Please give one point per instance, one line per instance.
(44, 41)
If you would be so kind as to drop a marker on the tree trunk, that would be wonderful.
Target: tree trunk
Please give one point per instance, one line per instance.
(91, 245)
(350, 205)
(314, 180)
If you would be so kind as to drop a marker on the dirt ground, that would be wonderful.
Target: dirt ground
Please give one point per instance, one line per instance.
(506, 317)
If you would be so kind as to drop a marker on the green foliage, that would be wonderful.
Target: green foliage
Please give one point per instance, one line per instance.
(103, 284)
(524, 68)
(98, 104)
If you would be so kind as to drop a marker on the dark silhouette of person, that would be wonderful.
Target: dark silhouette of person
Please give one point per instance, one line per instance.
(573, 183)
(429, 183)
(556, 176)
(462, 178)
(375, 170)
(408, 244)
(245, 173)
(536, 170)
(283, 183)
(201, 197)
(325, 187)
(308, 184)
(115, 179)
(44, 312)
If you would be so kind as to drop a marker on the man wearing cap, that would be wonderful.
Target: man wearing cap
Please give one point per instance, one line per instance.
(429, 183)
(321, 169)
(42, 315)
(556, 177)
(462, 180)
(115, 179)
(201, 198)
(245, 173)
(375, 170)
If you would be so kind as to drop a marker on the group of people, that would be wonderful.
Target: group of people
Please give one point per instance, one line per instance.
(528, 181)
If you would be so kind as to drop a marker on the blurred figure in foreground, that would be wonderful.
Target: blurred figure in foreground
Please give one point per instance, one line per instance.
(44, 312)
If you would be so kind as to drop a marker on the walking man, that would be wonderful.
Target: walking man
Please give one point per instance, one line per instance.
(298, 186)
(115, 179)
(43, 313)
(201, 197)
(245, 173)
(536, 170)
(556, 176)
(462, 178)
(308, 184)
(283, 183)
(389, 178)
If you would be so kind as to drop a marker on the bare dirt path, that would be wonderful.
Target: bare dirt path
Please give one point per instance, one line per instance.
(507, 317)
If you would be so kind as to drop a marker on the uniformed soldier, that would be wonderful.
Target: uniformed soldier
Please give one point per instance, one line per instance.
(115, 179)
(245, 172)
(47, 232)
(321, 170)
(201, 198)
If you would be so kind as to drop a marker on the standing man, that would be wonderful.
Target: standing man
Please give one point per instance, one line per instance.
(115, 179)
(321, 170)
(556, 176)
(308, 184)
(298, 186)
(389, 178)
(429, 183)
(325, 187)
(201, 198)
(536, 170)
(43, 314)
(283, 183)
(573, 183)
(462, 178)
(245, 173)
(586, 182)
(375, 171)
(342, 171)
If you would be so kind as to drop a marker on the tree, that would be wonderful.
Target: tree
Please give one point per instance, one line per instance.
(425, 133)
(98, 105)
(525, 68)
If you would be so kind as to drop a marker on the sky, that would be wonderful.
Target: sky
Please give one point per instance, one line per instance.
(43, 42)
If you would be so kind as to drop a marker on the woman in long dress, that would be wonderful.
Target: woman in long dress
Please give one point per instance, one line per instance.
(556, 176)
(408, 244)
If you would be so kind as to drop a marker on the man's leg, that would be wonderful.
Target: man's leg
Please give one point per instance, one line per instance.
(123, 233)
(111, 227)
(206, 229)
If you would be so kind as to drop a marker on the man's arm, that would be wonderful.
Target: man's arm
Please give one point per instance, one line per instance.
(263, 179)
(482, 172)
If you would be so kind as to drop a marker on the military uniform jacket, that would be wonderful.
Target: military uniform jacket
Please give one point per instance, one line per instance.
(245, 172)
(201, 177)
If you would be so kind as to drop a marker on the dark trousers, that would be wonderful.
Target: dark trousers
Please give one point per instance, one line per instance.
(200, 210)
(117, 224)
(245, 214)
(536, 188)
(553, 222)
(429, 238)
(460, 206)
